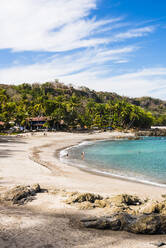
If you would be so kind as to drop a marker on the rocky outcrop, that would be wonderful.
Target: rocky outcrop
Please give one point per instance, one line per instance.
(126, 199)
(116, 204)
(147, 224)
(21, 194)
(153, 207)
(82, 197)
(152, 132)
(114, 222)
(141, 224)
(129, 213)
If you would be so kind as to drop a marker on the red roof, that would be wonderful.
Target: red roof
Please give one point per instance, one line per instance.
(41, 118)
(2, 123)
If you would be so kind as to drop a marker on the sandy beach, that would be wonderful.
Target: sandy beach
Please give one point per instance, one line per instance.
(48, 221)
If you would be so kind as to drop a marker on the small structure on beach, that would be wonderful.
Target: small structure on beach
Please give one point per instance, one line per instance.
(44, 122)
(37, 123)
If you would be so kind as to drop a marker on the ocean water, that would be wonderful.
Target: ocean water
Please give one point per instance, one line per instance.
(141, 160)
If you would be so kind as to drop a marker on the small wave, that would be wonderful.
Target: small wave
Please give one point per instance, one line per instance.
(65, 151)
(125, 177)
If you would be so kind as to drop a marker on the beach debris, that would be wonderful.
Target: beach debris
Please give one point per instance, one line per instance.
(21, 194)
(142, 224)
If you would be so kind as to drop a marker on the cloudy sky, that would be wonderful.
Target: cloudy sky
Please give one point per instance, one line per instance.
(109, 45)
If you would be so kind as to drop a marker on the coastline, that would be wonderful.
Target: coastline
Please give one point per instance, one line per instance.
(26, 160)
(41, 157)
(61, 155)
(74, 173)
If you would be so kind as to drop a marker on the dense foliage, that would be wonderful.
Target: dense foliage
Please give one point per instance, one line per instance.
(68, 107)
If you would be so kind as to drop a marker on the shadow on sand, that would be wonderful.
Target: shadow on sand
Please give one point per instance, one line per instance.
(11, 139)
(7, 142)
(57, 229)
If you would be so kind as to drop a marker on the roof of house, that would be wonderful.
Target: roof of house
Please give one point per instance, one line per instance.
(2, 123)
(40, 118)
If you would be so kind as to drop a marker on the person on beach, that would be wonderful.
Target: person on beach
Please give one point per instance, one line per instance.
(83, 155)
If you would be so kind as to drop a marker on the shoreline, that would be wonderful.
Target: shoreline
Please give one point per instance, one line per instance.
(43, 152)
(110, 179)
(95, 171)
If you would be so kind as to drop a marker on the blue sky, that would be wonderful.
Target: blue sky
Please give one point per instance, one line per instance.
(109, 45)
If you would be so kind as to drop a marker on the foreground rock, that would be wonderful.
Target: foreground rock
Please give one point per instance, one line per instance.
(129, 200)
(82, 197)
(83, 200)
(142, 224)
(21, 194)
(154, 207)
(116, 203)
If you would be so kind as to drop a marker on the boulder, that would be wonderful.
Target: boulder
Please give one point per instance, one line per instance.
(21, 194)
(114, 222)
(83, 197)
(101, 203)
(116, 204)
(148, 224)
(143, 224)
(86, 205)
(153, 207)
(125, 199)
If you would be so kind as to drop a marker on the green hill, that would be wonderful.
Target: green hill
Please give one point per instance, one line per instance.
(77, 107)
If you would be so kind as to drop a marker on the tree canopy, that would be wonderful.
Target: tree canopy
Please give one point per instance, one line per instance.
(75, 107)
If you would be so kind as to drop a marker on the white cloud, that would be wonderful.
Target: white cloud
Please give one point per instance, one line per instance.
(146, 82)
(134, 33)
(119, 51)
(56, 25)
(49, 25)
(60, 65)
(65, 25)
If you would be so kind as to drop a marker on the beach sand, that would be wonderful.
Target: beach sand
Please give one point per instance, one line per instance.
(47, 221)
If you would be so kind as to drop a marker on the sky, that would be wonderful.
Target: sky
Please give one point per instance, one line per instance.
(106, 45)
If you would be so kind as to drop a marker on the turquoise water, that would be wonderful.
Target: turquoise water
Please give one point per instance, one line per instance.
(143, 159)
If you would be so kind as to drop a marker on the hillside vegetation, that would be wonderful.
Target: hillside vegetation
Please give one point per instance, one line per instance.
(68, 107)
